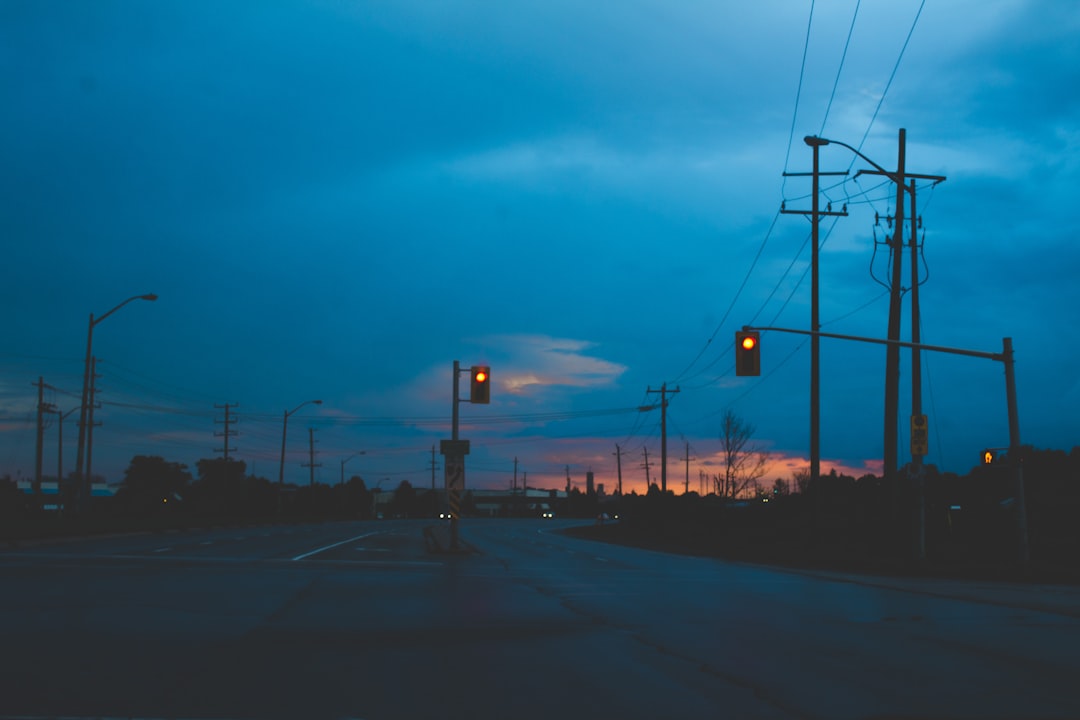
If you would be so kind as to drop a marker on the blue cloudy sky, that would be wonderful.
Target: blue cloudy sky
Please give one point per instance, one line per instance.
(336, 199)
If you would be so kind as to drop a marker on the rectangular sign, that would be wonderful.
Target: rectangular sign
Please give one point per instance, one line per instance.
(919, 440)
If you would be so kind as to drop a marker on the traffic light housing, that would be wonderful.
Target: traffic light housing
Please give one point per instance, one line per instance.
(480, 388)
(989, 456)
(747, 353)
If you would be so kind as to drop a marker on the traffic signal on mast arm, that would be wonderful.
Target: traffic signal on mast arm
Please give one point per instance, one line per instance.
(747, 353)
(480, 389)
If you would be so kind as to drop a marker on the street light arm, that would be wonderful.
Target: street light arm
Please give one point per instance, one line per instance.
(813, 140)
(150, 297)
(306, 402)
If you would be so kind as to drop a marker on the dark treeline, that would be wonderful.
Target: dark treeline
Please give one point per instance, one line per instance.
(849, 522)
(157, 494)
(866, 524)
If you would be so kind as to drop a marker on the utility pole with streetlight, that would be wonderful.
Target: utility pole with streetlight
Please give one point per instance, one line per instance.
(82, 475)
(359, 452)
(284, 431)
(892, 358)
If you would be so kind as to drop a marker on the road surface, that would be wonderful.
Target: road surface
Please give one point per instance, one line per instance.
(357, 620)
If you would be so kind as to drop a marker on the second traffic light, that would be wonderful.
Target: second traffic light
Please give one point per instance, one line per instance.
(747, 353)
(480, 388)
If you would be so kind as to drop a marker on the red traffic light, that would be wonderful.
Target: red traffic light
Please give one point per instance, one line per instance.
(480, 388)
(747, 353)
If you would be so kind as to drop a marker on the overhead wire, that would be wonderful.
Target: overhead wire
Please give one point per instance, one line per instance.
(836, 81)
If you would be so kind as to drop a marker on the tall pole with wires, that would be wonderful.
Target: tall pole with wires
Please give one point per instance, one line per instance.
(815, 214)
(663, 432)
(892, 352)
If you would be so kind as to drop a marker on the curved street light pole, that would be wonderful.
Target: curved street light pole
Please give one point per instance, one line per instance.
(284, 430)
(80, 456)
(361, 452)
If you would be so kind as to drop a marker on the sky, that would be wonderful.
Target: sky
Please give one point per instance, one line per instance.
(337, 199)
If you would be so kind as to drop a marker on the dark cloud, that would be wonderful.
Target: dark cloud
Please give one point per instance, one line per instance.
(339, 199)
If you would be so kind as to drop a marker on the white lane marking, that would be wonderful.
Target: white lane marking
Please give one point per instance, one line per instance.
(207, 542)
(164, 549)
(329, 547)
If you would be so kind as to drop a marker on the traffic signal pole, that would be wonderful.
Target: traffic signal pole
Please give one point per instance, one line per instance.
(454, 450)
(1006, 358)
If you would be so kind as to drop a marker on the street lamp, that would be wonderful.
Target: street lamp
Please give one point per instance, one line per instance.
(284, 429)
(361, 452)
(84, 480)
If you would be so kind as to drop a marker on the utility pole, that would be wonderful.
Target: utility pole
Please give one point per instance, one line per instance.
(816, 214)
(568, 486)
(663, 431)
(648, 482)
(88, 475)
(60, 491)
(686, 491)
(433, 468)
(892, 357)
(892, 352)
(227, 433)
(513, 483)
(434, 495)
(311, 457)
(42, 408)
(618, 464)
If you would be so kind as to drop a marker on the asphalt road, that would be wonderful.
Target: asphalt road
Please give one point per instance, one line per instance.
(357, 620)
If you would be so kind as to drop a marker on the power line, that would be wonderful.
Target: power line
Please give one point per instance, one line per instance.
(892, 75)
(798, 90)
(836, 82)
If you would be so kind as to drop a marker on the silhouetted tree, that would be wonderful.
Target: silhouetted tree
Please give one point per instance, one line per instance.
(222, 488)
(355, 498)
(744, 462)
(150, 483)
(404, 501)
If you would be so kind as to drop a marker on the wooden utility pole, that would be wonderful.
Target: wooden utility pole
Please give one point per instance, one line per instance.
(892, 358)
(311, 457)
(815, 214)
(618, 465)
(39, 450)
(648, 482)
(90, 424)
(686, 490)
(227, 432)
(663, 431)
